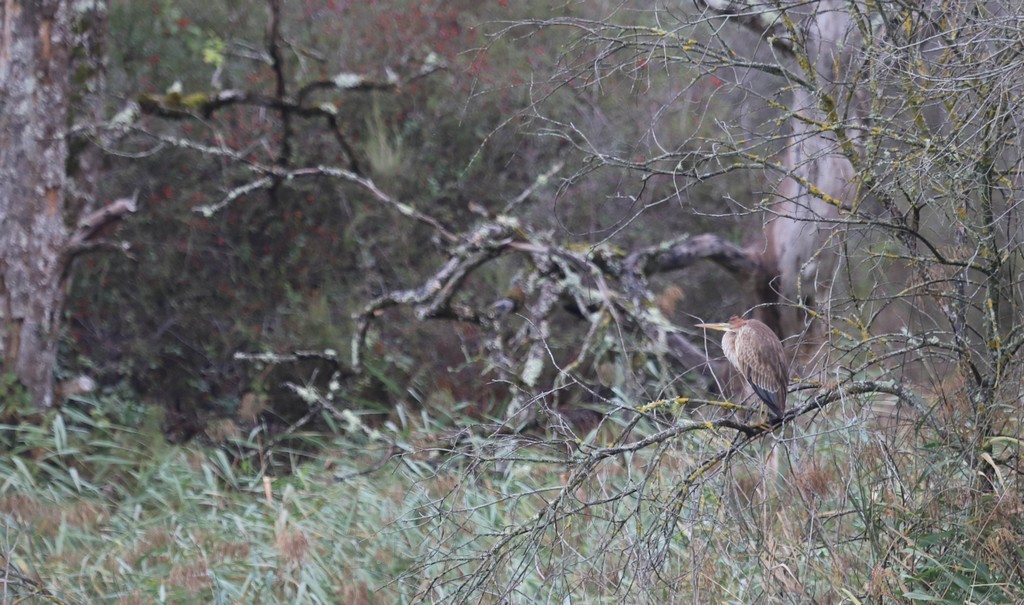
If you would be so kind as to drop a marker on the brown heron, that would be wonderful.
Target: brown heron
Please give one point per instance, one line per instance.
(756, 352)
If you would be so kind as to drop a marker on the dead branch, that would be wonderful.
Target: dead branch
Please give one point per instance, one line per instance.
(432, 300)
(84, 238)
(684, 252)
(367, 184)
(90, 224)
(760, 18)
(280, 80)
(328, 355)
(561, 273)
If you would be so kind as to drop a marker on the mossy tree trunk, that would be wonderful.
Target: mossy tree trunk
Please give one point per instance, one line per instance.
(35, 47)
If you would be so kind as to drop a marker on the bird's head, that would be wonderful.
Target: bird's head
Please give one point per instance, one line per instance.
(733, 325)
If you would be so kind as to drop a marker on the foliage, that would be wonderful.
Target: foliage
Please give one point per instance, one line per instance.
(15, 402)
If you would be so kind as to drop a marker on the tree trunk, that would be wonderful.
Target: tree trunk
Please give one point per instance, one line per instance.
(797, 261)
(88, 89)
(35, 43)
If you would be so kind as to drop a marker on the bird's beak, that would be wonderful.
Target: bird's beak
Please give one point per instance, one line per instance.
(723, 327)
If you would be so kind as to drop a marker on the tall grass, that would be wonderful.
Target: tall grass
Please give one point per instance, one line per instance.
(96, 512)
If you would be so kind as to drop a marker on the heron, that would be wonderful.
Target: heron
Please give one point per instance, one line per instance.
(756, 352)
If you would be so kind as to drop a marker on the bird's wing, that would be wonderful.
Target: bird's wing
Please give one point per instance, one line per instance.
(769, 397)
(764, 368)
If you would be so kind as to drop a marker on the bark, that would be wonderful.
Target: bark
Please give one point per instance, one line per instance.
(798, 265)
(88, 87)
(35, 47)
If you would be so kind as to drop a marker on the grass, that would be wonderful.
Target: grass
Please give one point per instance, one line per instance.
(124, 518)
(95, 512)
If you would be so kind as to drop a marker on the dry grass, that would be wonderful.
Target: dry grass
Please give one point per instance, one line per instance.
(873, 514)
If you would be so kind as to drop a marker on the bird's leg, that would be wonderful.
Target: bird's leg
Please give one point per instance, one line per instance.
(740, 428)
(763, 422)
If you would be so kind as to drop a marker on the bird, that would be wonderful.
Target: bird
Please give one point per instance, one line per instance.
(756, 352)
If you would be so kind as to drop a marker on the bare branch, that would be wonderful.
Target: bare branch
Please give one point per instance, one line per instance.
(83, 238)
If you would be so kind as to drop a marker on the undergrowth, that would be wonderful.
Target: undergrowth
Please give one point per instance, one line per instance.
(94, 511)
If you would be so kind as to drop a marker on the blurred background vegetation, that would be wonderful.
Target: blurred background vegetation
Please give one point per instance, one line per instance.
(284, 270)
